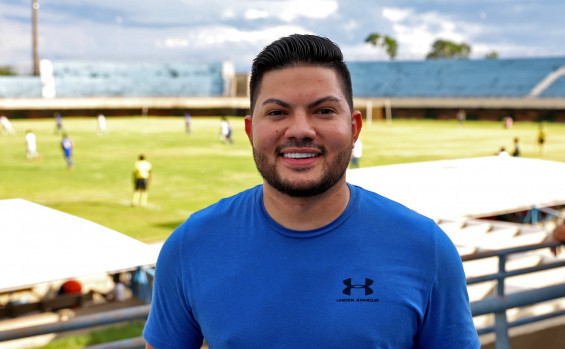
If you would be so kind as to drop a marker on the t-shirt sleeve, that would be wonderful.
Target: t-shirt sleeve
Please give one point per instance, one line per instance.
(171, 323)
(448, 322)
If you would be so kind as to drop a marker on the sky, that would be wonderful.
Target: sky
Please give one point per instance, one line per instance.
(224, 30)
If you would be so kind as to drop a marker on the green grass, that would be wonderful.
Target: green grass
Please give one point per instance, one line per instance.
(193, 171)
(105, 335)
(189, 172)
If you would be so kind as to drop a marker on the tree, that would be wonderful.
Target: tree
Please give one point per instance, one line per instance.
(491, 55)
(385, 41)
(6, 70)
(448, 49)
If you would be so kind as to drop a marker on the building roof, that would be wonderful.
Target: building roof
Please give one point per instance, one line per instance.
(469, 188)
(39, 244)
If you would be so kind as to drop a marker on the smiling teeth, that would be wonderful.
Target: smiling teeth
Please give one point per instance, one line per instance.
(299, 155)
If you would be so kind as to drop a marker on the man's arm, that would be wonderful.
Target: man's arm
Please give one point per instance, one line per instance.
(148, 346)
(170, 323)
(448, 322)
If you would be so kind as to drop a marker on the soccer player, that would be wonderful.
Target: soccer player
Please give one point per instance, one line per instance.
(67, 146)
(141, 179)
(31, 146)
(225, 131)
(6, 125)
(101, 128)
(187, 121)
(58, 122)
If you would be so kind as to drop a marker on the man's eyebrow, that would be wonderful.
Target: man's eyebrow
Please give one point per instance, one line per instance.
(311, 105)
(322, 100)
(276, 101)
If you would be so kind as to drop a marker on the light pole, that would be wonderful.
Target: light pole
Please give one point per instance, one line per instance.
(34, 9)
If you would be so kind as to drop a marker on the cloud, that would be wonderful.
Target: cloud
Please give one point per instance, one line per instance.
(416, 32)
(395, 14)
(227, 14)
(18, 41)
(309, 9)
(255, 14)
(285, 11)
(175, 42)
(363, 52)
(219, 36)
(169, 30)
(351, 26)
(221, 42)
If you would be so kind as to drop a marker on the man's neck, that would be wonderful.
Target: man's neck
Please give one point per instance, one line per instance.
(306, 213)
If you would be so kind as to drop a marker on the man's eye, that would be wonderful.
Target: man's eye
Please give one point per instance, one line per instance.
(325, 111)
(275, 113)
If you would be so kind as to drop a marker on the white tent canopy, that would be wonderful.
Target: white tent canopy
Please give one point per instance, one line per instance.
(39, 244)
(475, 187)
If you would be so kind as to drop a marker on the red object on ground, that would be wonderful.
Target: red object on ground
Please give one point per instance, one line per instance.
(72, 287)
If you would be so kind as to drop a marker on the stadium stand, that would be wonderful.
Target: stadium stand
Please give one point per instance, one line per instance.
(529, 89)
(409, 79)
(111, 79)
(20, 87)
(452, 78)
(107, 79)
(556, 89)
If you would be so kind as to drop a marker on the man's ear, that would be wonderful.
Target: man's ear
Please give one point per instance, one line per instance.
(356, 125)
(249, 128)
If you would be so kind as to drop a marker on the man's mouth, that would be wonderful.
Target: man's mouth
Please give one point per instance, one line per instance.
(299, 155)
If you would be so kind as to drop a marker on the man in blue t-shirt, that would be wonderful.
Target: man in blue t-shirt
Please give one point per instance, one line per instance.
(306, 260)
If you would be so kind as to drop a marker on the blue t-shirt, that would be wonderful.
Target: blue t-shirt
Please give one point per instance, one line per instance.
(67, 146)
(379, 276)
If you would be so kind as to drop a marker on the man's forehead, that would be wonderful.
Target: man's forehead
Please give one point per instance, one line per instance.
(313, 77)
(302, 68)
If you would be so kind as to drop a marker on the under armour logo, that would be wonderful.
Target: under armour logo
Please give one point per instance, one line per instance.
(368, 290)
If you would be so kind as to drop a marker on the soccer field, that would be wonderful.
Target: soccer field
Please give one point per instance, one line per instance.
(193, 171)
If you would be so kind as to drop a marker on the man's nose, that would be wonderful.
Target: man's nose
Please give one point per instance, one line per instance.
(301, 126)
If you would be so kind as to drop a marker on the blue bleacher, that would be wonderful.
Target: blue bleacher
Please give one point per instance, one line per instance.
(446, 78)
(555, 90)
(452, 78)
(20, 87)
(107, 79)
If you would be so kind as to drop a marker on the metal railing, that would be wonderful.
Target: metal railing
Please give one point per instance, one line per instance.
(141, 286)
(87, 321)
(497, 304)
(501, 302)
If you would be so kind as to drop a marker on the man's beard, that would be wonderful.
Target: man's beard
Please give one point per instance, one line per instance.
(331, 173)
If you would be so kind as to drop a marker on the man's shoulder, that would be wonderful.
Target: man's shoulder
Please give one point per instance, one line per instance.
(372, 198)
(204, 228)
(383, 207)
(419, 234)
(232, 206)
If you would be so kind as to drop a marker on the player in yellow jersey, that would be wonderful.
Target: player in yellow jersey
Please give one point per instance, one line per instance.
(141, 180)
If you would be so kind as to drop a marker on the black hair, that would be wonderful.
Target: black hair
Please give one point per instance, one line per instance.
(296, 50)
